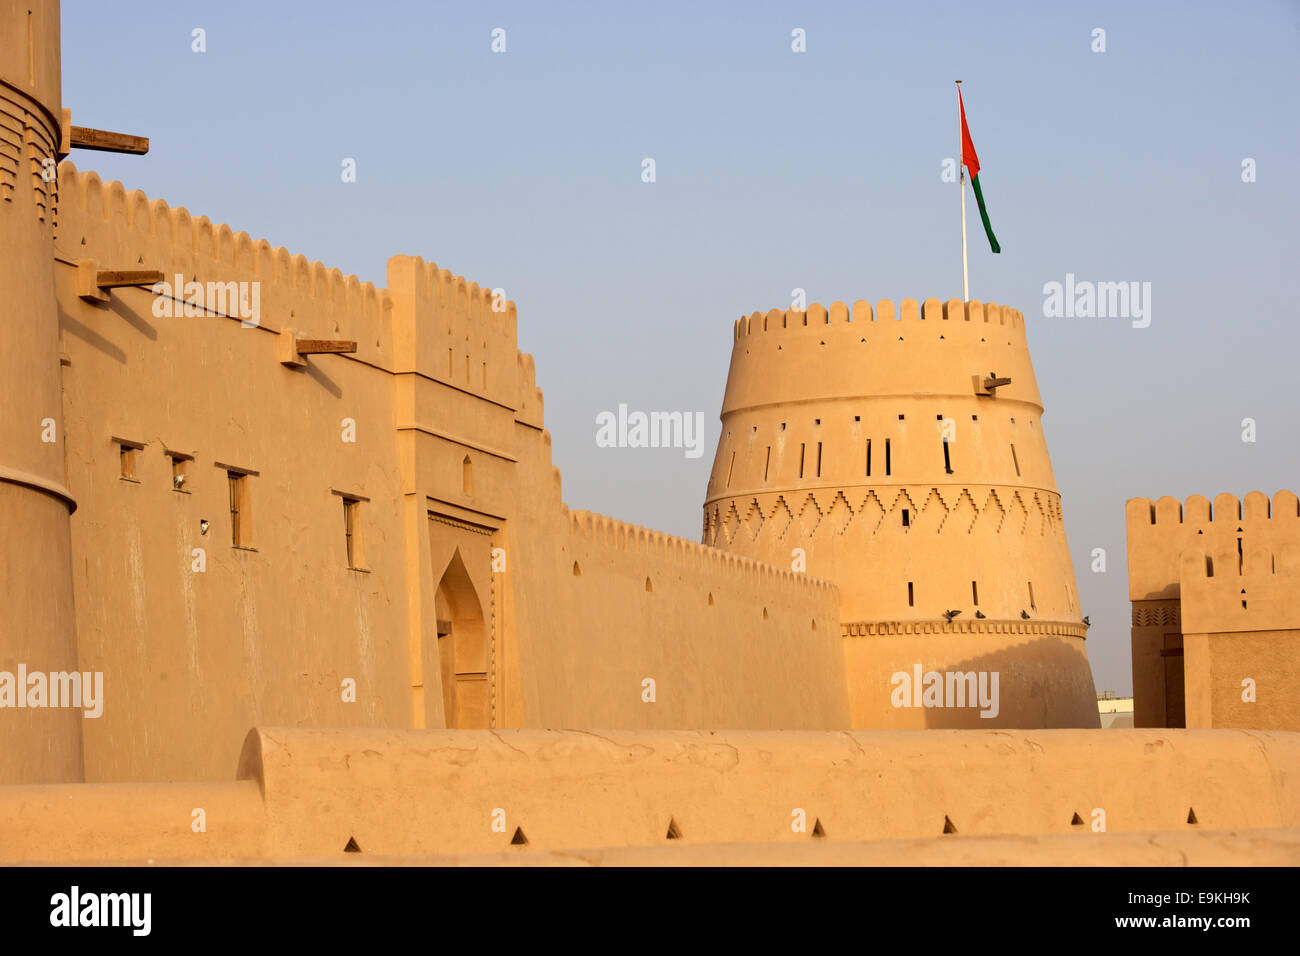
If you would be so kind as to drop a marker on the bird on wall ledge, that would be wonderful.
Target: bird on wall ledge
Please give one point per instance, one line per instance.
(949, 615)
(1025, 615)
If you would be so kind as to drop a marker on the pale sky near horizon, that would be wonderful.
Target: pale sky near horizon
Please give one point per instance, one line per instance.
(775, 170)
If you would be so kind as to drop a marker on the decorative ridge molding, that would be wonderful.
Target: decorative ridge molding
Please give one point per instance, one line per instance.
(28, 480)
(940, 627)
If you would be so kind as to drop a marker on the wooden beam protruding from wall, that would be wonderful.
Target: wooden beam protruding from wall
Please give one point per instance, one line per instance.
(292, 348)
(92, 281)
(83, 137)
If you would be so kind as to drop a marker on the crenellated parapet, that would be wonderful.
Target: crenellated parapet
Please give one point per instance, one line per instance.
(1159, 531)
(944, 349)
(532, 405)
(682, 554)
(454, 331)
(445, 327)
(817, 317)
(128, 230)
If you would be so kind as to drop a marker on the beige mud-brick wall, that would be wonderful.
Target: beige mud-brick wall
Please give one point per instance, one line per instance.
(1242, 639)
(727, 641)
(270, 630)
(1170, 675)
(870, 440)
(450, 467)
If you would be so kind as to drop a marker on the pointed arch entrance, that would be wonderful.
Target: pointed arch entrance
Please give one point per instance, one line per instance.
(462, 647)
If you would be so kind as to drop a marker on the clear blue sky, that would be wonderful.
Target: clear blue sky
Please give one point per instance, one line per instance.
(775, 170)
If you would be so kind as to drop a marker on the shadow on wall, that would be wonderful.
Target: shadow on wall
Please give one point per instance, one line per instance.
(1035, 681)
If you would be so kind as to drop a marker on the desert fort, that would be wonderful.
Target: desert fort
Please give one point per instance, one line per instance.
(285, 554)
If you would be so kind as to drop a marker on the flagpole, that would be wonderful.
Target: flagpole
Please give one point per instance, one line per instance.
(961, 182)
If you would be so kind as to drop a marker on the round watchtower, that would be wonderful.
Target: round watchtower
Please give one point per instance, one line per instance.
(900, 453)
(42, 743)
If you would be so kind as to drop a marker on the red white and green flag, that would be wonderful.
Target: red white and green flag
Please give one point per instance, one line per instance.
(972, 163)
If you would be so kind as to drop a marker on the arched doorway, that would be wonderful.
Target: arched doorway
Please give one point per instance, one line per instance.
(462, 648)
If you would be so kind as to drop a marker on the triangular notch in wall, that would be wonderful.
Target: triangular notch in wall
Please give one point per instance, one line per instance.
(519, 839)
(818, 830)
(1191, 816)
(352, 846)
(947, 825)
(674, 831)
(1077, 821)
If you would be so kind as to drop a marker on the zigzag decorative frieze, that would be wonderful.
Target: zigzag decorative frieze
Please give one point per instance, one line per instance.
(906, 628)
(830, 512)
(810, 515)
(840, 514)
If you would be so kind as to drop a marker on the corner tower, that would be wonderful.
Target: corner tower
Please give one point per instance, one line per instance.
(900, 453)
(37, 624)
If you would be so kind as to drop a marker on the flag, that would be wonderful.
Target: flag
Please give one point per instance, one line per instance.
(972, 163)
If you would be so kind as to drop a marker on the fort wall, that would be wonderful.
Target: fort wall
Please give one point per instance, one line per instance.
(447, 468)
(310, 793)
(728, 641)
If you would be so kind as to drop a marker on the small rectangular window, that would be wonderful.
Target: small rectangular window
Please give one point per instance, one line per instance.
(241, 512)
(1031, 596)
(767, 463)
(868, 457)
(975, 593)
(909, 595)
(819, 459)
(802, 448)
(128, 455)
(730, 468)
(888, 463)
(947, 458)
(180, 470)
(1014, 460)
(352, 533)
